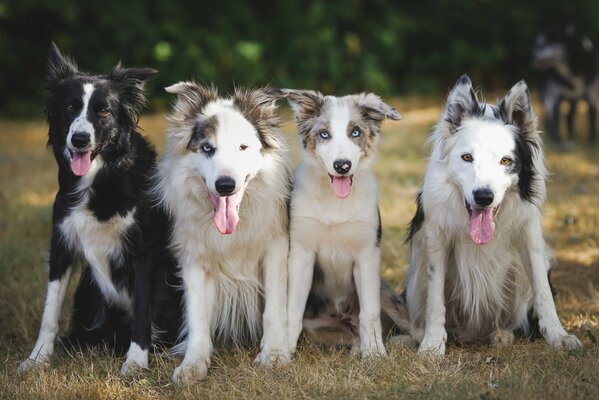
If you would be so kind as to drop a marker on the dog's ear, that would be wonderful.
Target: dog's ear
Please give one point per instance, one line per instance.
(59, 67)
(259, 106)
(130, 83)
(372, 107)
(516, 109)
(191, 97)
(461, 102)
(306, 104)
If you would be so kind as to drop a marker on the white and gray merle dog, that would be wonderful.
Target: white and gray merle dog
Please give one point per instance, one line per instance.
(225, 180)
(479, 263)
(334, 291)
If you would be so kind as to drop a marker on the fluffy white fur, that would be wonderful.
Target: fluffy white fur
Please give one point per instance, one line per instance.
(228, 279)
(481, 292)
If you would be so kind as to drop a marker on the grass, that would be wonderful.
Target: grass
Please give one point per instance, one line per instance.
(525, 370)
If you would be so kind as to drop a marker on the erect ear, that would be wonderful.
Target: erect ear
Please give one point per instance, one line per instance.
(191, 97)
(461, 102)
(306, 104)
(516, 108)
(59, 66)
(372, 107)
(130, 82)
(259, 106)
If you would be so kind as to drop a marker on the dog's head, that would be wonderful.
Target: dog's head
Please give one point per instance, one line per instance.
(489, 150)
(339, 133)
(91, 115)
(224, 140)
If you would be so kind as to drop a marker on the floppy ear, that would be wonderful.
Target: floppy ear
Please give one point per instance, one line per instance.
(306, 104)
(372, 107)
(130, 82)
(59, 67)
(259, 106)
(191, 97)
(461, 102)
(516, 109)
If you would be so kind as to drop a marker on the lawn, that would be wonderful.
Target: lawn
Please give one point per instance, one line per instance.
(525, 370)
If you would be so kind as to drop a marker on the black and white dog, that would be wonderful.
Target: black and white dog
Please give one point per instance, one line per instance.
(570, 72)
(102, 216)
(479, 264)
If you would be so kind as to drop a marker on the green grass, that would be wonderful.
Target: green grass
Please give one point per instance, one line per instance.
(525, 370)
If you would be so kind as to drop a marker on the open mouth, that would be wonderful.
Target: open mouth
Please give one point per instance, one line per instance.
(81, 162)
(482, 225)
(226, 209)
(342, 185)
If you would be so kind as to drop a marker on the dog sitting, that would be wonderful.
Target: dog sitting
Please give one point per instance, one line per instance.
(102, 216)
(334, 290)
(479, 264)
(225, 180)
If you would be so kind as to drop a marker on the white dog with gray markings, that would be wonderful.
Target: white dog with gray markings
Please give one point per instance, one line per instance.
(479, 264)
(334, 290)
(225, 180)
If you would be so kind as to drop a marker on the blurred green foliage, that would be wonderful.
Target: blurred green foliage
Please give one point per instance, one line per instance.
(389, 47)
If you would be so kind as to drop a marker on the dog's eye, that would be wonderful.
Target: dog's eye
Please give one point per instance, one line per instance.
(71, 109)
(506, 161)
(243, 147)
(207, 148)
(324, 134)
(356, 132)
(467, 157)
(103, 112)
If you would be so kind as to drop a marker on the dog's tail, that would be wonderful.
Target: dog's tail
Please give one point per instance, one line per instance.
(394, 311)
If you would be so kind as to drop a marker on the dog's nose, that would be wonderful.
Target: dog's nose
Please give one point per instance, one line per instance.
(483, 197)
(342, 166)
(80, 140)
(225, 185)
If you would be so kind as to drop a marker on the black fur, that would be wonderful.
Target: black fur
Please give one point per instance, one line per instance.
(417, 220)
(146, 270)
(523, 164)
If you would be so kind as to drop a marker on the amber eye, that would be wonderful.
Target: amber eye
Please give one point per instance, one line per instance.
(467, 157)
(506, 161)
(71, 108)
(103, 112)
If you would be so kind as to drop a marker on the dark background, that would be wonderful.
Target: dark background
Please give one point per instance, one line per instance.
(389, 47)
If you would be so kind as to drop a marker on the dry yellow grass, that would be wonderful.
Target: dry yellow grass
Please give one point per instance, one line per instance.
(525, 370)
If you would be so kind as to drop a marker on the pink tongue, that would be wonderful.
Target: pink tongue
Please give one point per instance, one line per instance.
(482, 225)
(341, 186)
(226, 211)
(81, 162)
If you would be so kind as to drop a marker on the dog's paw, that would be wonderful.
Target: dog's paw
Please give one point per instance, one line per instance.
(502, 338)
(565, 341)
(30, 364)
(189, 374)
(432, 347)
(273, 358)
(132, 368)
(375, 351)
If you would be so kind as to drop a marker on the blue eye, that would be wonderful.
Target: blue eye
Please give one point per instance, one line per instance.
(356, 132)
(324, 134)
(207, 148)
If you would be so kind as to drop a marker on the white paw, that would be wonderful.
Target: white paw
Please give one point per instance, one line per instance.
(565, 341)
(269, 358)
(502, 338)
(131, 368)
(189, 374)
(30, 364)
(434, 346)
(374, 351)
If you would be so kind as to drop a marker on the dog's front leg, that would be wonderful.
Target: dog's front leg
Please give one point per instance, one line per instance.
(301, 270)
(141, 322)
(274, 348)
(58, 282)
(200, 295)
(549, 322)
(368, 284)
(435, 334)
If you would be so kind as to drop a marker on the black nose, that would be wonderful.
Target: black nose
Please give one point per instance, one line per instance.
(80, 140)
(342, 166)
(225, 185)
(483, 197)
